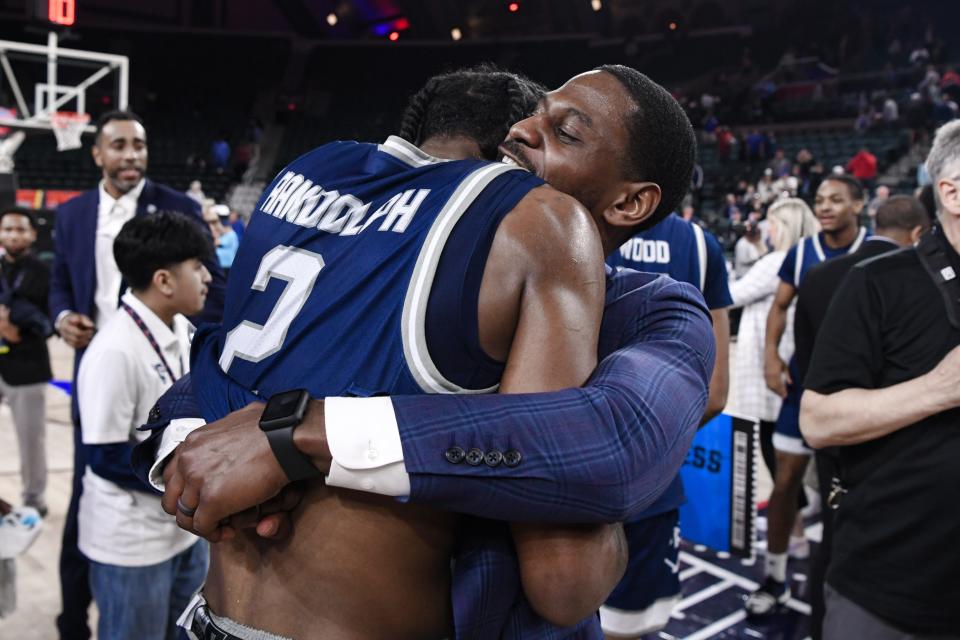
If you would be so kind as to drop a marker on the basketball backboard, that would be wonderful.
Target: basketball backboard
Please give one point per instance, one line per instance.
(57, 90)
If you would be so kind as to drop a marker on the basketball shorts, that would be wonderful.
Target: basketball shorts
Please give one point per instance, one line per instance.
(786, 435)
(650, 588)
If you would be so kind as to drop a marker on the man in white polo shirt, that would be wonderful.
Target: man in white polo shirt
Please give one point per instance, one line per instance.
(143, 568)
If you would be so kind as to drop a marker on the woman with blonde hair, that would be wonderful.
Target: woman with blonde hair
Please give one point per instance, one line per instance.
(789, 220)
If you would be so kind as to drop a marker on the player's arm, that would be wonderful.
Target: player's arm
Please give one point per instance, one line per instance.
(774, 369)
(716, 293)
(720, 380)
(551, 244)
(601, 453)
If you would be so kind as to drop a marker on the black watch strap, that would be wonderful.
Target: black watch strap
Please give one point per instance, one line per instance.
(294, 463)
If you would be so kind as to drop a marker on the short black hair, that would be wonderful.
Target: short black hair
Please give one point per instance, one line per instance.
(480, 103)
(902, 212)
(20, 211)
(662, 146)
(158, 241)
(110, 116)
(854, 186)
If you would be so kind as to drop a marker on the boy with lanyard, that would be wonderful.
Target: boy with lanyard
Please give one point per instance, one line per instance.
(143, 568)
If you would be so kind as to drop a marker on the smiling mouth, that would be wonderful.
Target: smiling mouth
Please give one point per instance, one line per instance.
(515, 160)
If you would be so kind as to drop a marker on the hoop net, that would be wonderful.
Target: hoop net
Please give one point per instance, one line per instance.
(68, 126)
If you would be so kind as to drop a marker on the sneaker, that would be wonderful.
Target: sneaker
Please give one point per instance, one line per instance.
(39, 505)
(765, 600)
(18, 530)
(799, 548)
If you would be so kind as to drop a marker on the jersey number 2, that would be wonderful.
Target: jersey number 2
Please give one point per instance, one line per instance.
(253, 342)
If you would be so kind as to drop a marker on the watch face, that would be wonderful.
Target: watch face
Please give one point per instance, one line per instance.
(283, 405)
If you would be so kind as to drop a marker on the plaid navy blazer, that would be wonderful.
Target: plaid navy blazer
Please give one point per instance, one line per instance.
(601, 453)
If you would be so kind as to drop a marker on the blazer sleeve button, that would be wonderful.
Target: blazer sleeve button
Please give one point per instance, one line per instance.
(454, 455)
(512, 458)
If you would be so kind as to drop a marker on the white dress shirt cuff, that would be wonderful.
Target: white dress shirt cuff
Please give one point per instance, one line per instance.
(365, 450)
(175, 433)
(60, 316)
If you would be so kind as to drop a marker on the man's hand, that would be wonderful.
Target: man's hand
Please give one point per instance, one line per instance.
(220, 470)
(270, 519)
(76, 330)
(8, 331)
(777, 374)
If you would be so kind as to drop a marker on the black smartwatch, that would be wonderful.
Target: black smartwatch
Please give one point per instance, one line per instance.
(284, 413)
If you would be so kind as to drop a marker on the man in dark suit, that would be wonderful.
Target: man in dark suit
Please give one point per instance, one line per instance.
(901, 220)
(85, 291)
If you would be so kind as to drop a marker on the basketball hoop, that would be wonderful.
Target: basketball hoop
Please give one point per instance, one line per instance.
(68, 126)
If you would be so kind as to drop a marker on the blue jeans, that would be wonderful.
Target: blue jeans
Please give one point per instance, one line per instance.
(145, 602)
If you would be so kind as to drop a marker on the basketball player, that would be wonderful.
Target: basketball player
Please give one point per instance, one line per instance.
(837, 205)
(644, 599)
(583, 105)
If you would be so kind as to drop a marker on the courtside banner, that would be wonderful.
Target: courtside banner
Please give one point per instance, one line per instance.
(719, 479)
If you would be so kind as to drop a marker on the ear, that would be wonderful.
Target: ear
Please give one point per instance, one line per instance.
(858, 206)
(949, 195)
(634, 203)
(95, 152)
(915, 234)
(163, 281)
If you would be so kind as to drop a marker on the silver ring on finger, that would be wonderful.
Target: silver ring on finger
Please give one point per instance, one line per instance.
(184, 509)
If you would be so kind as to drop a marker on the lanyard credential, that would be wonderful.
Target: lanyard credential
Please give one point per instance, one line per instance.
(149, 336)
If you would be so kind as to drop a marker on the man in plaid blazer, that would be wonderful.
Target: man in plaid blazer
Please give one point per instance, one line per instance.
(562, 454)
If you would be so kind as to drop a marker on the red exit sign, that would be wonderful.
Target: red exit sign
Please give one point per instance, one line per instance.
(63, 12)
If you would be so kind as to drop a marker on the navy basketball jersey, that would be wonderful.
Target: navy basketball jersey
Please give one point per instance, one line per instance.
(330, 288)
(810, 252)
(683, 251)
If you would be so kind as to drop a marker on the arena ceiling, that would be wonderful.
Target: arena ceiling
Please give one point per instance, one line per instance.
(410, 19)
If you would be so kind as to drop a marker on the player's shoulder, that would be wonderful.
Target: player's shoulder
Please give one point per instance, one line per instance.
(552, 228)
(792, 251)
(716, 261)
(552, 213)
(319, 155)
(672, 229)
